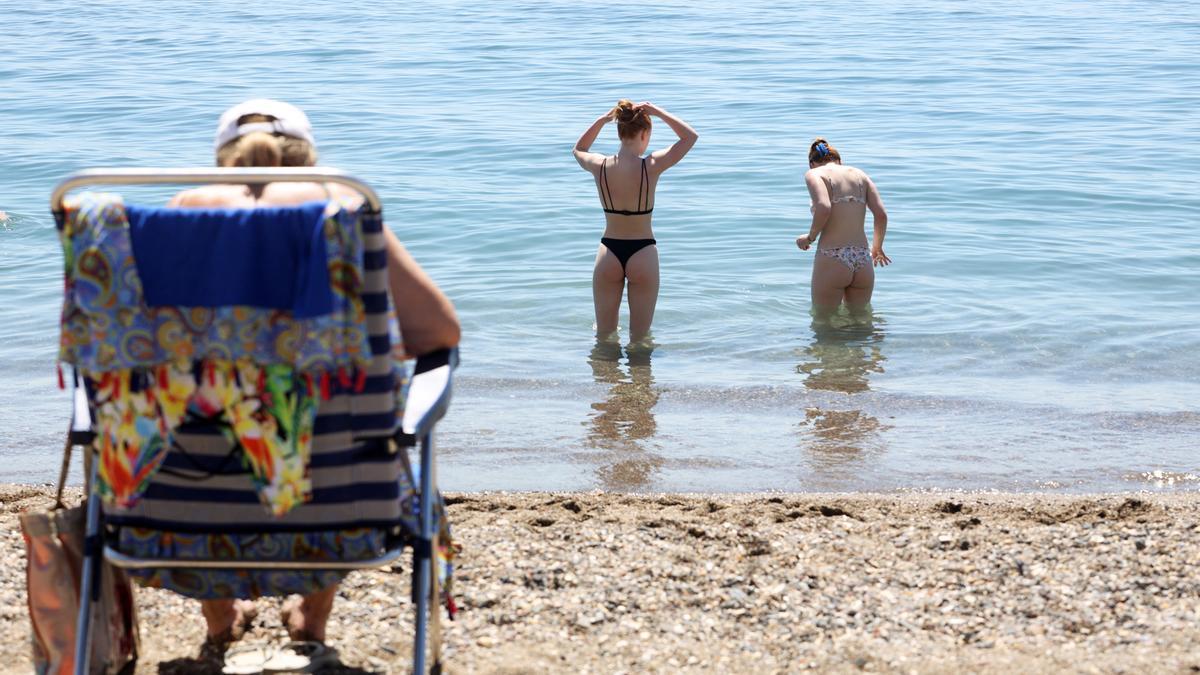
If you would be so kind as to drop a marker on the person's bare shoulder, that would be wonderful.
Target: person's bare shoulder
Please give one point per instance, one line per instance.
(851, 170)
(820, 174)
(861, 176)
(276, 194)
(208, 196)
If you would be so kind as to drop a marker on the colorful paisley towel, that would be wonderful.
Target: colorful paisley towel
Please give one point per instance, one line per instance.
(215, 584)
(107, 324)
(256, 372)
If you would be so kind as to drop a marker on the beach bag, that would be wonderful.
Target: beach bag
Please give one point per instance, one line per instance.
(54, 562)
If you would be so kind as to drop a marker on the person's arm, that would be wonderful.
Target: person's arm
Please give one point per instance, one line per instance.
(661, 160)
(879, 220)
(426, 316)
(591, 161)
(187, 198)
(821, 208)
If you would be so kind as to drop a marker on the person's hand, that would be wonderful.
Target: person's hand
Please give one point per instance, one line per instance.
(879, 257)
(803, 242)
(648, 107)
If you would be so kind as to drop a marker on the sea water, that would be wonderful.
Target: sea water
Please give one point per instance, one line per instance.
(1039, 328)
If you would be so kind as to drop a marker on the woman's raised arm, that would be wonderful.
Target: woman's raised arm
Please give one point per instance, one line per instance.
(661, 160)
(587, 159)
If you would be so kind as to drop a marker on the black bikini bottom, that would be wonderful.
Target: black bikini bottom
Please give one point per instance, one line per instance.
(625, 248)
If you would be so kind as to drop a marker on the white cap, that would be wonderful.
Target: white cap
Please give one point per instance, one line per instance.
(289, 121)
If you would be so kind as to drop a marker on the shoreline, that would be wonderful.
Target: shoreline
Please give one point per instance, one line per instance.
(769, 582)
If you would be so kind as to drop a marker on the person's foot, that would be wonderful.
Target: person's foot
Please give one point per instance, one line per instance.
(305, 617)
(292, 617)
(228, 620)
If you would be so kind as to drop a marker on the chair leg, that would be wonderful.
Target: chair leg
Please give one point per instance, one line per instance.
(423, 555)
(89, 579)
(435, 615)
(421, 571)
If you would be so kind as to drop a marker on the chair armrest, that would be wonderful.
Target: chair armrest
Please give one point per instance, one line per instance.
(81, 432)
(429, 392)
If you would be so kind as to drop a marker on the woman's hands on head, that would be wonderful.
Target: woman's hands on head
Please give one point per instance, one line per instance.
(649, 108)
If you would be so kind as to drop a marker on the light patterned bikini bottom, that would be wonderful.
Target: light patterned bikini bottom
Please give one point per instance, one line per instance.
(852, 257)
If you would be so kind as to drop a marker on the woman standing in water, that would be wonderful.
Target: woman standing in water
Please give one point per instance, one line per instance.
(626, 182)
(844, 266)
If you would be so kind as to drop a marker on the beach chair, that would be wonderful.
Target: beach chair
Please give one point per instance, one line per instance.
(212, 413)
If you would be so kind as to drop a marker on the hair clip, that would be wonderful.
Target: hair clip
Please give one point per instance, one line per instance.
(821, 149)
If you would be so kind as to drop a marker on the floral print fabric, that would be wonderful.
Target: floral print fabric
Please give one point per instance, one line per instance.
(106, 324)
(257, 372)
(267, 412)
(213, 584)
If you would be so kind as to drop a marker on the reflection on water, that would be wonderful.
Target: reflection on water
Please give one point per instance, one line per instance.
(840, 434)
(846, 348)
(623, 422)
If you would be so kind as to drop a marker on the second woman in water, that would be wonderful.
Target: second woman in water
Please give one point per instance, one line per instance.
(841, 196)
(626, 182)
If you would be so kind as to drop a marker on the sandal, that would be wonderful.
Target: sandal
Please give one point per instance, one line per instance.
(247, 659)
(301, 657)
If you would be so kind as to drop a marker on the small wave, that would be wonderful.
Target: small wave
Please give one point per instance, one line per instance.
(1167, 479)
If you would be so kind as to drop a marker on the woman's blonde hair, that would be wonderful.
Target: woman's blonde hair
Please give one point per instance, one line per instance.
(631, 119)
(259, 148)
(821, 152)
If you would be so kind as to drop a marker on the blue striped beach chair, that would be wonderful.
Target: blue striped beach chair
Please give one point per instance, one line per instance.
(242, 425)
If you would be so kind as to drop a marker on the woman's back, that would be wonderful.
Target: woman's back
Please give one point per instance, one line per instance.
(849, 190)
(626, 186)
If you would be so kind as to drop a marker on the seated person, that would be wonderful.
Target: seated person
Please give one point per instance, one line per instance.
(265, 133)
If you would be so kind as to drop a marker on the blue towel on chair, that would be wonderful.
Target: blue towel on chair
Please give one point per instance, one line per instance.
(270, 257)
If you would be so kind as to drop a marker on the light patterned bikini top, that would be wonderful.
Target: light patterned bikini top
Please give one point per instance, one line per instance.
(848, 198)
(844, 199)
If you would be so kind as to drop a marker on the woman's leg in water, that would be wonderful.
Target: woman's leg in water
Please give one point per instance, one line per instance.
(642, 272)
(830, 279)
(608, 284)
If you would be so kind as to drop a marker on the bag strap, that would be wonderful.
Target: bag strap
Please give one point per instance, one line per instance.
(62, 473)
(435, 611)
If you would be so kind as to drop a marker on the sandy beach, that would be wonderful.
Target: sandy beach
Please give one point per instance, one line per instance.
(606, 583)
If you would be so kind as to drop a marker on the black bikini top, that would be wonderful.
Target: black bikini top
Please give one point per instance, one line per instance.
(643, 184)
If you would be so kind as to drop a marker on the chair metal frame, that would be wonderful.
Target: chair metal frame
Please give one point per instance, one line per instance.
(429, 393)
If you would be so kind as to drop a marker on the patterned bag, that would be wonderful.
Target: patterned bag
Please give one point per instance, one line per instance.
(54, 562)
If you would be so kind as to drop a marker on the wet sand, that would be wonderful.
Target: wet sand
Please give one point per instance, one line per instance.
(605, 583)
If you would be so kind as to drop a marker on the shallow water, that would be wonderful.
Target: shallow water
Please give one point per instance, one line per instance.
(1038, 329)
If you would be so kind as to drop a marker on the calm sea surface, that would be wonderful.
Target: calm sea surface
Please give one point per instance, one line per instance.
(1038, 330)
